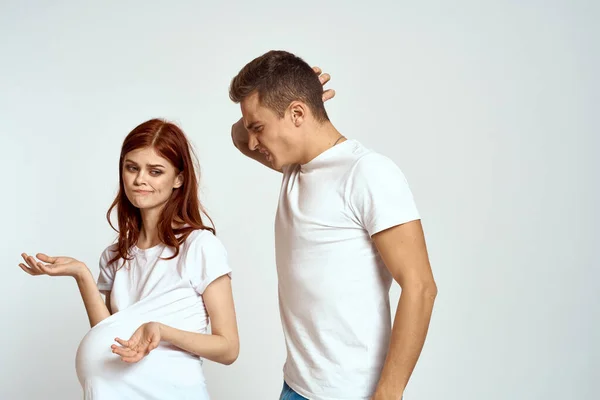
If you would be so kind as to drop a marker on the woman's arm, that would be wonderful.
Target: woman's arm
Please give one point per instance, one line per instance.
(67, 266)
(95, 307)
(107, 302)
(221, 346)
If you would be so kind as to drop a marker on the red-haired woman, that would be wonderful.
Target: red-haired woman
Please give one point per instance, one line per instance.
(163, 280)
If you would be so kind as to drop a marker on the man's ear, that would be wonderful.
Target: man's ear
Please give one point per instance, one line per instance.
(298, 112)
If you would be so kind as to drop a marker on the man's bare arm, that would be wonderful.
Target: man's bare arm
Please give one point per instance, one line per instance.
(239, 136)
(404, 252)
(239, 133)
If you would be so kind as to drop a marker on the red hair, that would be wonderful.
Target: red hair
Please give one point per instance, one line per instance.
(182, 209)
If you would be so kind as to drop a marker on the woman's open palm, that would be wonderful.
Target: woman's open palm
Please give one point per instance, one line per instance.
(142, 342)
(52, 266)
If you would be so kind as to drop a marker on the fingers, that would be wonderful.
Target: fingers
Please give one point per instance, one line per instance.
(35, 267)
(328, 94)
(133, 359)
(123, 352)
(45, 258)
(28, 270)
(324, 78)
(31, 262)
(132, 355)
(124, 343)
(32, 267)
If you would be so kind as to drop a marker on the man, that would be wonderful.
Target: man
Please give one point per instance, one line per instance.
(346, 225)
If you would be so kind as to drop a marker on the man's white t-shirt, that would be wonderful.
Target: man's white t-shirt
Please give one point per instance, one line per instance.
(333, 285)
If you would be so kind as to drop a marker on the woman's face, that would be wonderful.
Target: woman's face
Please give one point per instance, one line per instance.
(148, 178)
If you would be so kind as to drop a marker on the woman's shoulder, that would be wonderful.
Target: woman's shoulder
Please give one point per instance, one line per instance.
(204, 239)
(203, 236)
(108, 254)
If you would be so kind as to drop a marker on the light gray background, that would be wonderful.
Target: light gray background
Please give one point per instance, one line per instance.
(488, 107)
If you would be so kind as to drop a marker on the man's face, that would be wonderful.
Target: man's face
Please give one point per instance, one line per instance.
(267, 133)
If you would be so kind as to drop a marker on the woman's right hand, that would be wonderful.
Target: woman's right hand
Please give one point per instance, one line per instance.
(52, 266)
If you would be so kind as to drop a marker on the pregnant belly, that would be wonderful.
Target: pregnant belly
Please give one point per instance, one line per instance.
(165, 367)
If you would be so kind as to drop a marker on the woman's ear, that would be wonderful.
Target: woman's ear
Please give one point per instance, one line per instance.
(178, 181)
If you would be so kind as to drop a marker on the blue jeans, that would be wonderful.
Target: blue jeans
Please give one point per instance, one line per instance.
(287, 393)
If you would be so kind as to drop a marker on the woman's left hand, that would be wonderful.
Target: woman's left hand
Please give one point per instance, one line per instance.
(142, 342)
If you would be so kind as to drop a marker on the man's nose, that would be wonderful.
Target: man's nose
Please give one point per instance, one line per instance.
(252, 141)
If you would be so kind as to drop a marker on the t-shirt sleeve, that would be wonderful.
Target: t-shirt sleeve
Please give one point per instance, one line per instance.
(206, 261)
(107, 272)
(379, 194)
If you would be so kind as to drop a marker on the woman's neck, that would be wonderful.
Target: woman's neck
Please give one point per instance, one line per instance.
(149, 232)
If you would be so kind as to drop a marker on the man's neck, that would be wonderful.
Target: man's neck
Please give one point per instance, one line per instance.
(321, 138)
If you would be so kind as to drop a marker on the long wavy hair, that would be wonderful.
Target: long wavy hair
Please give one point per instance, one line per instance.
(182, 214)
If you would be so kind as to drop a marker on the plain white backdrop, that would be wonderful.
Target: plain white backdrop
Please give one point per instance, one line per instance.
(489, 108)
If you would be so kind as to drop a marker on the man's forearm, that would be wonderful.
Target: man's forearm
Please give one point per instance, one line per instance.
(240, 138)
(411, 324)
(239, 134)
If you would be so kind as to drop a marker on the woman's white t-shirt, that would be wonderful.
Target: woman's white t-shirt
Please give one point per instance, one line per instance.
(150, 288)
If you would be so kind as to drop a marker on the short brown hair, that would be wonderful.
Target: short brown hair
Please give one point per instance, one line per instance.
(279, 78)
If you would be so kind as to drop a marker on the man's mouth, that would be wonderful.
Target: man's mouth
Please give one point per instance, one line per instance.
(266, 153)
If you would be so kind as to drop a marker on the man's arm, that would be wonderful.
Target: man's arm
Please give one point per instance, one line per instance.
(239, 133)
(404, 252)
(239, 136)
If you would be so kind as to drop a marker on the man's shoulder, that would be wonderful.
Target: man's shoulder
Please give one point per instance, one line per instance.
(354, 155)
(369, 161)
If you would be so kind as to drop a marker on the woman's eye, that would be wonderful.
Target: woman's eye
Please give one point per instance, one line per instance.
(156, 172)
(131, 168)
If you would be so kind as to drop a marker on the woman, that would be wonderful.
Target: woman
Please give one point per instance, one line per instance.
(162, 279)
